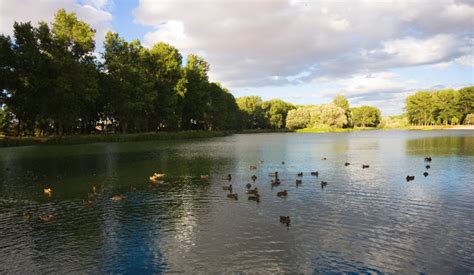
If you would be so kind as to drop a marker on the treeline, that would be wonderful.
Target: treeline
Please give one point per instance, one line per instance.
(52, 82)
(443, 107)
(337, 114)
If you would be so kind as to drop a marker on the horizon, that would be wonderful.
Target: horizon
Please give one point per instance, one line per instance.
(301, 59)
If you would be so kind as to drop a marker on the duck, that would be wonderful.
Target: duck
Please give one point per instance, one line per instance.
(233, 196)
(254, 178)
(229, 177)
(47, 191)
(410, 178)
(282, 193)
(28, 215)
(46, 218)
(285, 220)
(316, 173)
(347, 164)
(118, 197)
(252, 167)
(298, 182)
(274, 174)
(428, 159)
(155, 177)
(300, 174)
(365, 166)
(261, 161)
(254, 197)
(227, 188)
(253, 191)
(204, 177)
(324, 158)
(276, 181)
(323, 184)
(248, 185)
(283, 163)
(427, 167)
(425, 174)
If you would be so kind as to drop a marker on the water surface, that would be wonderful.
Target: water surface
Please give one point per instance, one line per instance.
(365, 220)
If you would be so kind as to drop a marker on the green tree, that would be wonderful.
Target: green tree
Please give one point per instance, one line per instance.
(328, 115)
(253, 113)
(342, 102)
(196, 98)
(276, 112)
(298, 118)
(366, 116)
(469, 120)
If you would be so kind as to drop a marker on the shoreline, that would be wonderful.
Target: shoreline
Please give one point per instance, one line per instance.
(9, 141)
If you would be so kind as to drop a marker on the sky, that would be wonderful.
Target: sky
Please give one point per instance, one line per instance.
(302, 51)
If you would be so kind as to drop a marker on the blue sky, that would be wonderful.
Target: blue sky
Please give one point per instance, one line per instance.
(302, 51)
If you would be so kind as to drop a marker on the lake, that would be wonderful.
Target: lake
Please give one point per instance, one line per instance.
(365, 220)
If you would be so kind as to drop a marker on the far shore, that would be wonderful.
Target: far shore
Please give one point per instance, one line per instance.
(11, 141)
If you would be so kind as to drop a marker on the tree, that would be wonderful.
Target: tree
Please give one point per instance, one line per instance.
(469, 120)
(298, 118)
(196, 97)
(366, 116)
(420, 108)
(276, 111)
(466, 101)
(253, 113)
(328, 115)
(341, 101)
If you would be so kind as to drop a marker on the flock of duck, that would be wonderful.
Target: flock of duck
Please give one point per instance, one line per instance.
(252, 193)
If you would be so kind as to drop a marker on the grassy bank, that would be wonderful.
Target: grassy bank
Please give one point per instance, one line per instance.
(334, 130)
(6, 141)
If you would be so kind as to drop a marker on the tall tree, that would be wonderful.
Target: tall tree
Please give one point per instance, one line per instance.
(366, 116)
(342, 102)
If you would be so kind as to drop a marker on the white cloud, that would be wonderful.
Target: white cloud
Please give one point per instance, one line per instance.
(94, 12)
(312, 39)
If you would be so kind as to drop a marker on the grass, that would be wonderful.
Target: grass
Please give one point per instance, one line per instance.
(334, 130)
(6, 141)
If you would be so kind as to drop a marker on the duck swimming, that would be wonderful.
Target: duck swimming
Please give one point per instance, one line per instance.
(324, 158)
(204, 177)
(229, 177)
(428, 159)
(410, 178)
(427, 167)
(233, 196)
(248, 185)
(155, 177)
(365, 166)
(298, 182)
(285, 220)
(276, 181)
(323, 184)
(316, 173)
(425, 174)
(28, 215)
(282, 193)
(252, 167)
(347, 164)
(228, 188)
(47, 191)
(118, 197)
(253, 191)
(254, 178)
(255, 197)
(46, 218)
(300, 174)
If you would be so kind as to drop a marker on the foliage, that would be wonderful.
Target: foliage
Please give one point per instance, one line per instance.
(342, 102)
(298, 118)
(366, 116)
(440, 107)
(469, 120)
(389, 122)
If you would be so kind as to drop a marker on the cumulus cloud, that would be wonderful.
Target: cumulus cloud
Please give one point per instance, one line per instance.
(261, 43)
(94, 12)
